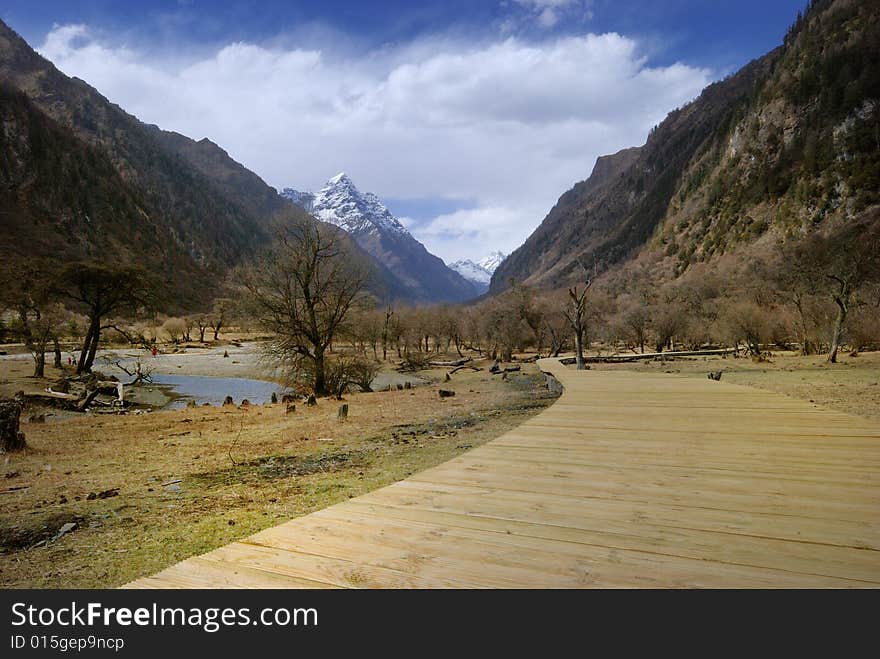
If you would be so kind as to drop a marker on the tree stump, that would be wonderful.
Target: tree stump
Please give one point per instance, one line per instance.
(11, 439)
(343, 412)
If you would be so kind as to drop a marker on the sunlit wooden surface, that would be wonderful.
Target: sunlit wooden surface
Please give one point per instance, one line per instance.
(628, 480)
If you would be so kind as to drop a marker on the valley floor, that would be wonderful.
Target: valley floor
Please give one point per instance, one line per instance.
(148, 490)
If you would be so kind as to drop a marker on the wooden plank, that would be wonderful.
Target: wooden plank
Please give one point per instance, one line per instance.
(629, 480)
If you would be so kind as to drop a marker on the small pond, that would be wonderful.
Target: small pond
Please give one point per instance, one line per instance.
(205, 389)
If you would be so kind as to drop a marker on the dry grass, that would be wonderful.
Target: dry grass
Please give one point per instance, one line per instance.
(852, 385)
(239, 471)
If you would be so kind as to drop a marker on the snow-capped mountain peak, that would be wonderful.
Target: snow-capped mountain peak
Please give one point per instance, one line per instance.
(339, 202)
(415, 273)
(342, 178)
(491, 261)
(480, 273)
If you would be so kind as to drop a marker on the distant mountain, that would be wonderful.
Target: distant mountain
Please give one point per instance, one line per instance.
(418, 275)
(786, 145)
(479, 272)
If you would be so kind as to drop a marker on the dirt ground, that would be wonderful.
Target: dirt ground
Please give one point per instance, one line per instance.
(852, 385)
(145, 491)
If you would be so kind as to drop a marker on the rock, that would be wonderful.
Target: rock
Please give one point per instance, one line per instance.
(64, 530)
(228, 401)
(343, 412)
(290, 409)
(274, 398)
(445, 393)
(11, 439)
(173, 488)
(105, 494)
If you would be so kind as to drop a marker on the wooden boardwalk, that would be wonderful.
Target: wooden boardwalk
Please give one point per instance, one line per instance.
(629, 480)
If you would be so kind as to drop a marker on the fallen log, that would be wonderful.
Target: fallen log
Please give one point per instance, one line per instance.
(614, 359)
(459, 368)
(85, 402)
(457, 362)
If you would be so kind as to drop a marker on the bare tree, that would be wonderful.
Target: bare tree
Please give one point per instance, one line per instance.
(576, 312)
(748, 322)
(175, 328)
(220, 315)
(302, 292)
(636, 320)
(386, 331)
(845, 260)
(38, 320)
(203, 322)
(103, 289)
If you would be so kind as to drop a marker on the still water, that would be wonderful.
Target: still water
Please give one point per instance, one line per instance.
(205, 389)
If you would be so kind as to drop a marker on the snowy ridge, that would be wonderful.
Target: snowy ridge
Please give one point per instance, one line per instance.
(472, 271)
(304, 199)
(480, 273)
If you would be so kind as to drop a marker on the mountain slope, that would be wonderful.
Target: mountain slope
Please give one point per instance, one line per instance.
(418, 275)
(182, 207)
(784, 145)
(63, 199)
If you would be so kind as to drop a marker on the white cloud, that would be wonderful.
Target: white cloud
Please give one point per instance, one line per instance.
(547, 13)
(510, 124)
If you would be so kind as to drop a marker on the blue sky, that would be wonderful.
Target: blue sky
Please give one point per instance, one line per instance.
(469, 118)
